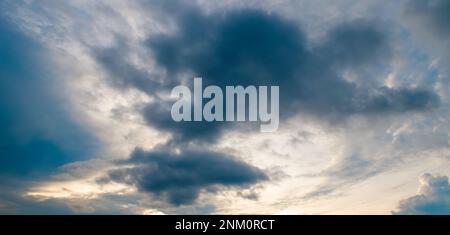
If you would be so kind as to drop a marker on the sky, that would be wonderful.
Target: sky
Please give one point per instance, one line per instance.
(363, 96)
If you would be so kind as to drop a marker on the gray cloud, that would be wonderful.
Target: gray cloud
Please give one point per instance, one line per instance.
(432, 16)
(158, 115)
(237, 47)
(433, 197)
(249, 47)
(180, 178)
(354, 44)
(252, 47)
(122, 73)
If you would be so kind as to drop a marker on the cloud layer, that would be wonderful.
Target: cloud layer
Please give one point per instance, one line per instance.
(432, 16)
(249, 47)
(364, 106)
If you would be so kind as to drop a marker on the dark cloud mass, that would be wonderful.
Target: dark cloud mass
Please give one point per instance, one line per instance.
(433, 198)
(179, 178)
(249, 47)
(158, 115)
(355, 44)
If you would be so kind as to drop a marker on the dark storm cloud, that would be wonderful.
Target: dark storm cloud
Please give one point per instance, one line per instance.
(432, 16)
(249, 47)
(434, 198)
(180, 178)
(158, 115)
(37, 134)
(244, 47)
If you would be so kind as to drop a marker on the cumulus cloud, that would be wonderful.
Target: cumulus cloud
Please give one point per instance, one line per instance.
(433, 197)
(179, 178)
(252, 47)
